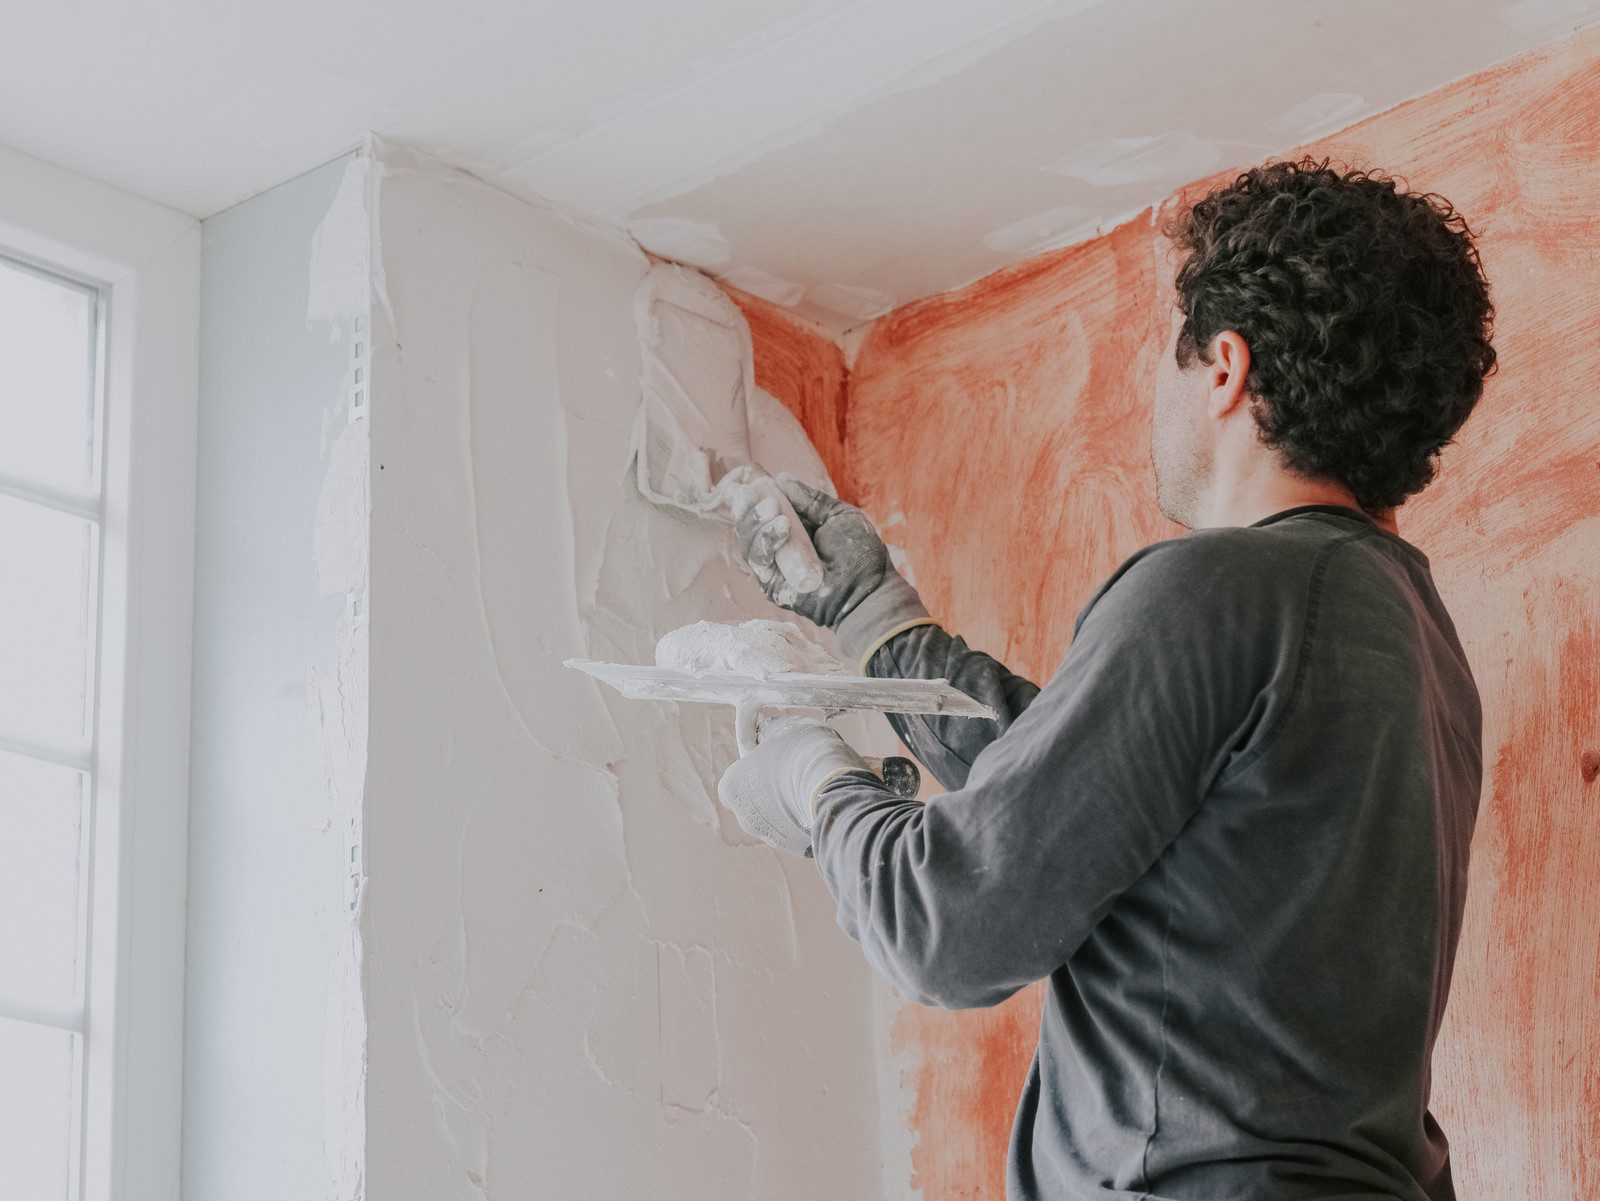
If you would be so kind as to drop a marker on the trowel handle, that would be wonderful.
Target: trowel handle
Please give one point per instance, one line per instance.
(796, 558)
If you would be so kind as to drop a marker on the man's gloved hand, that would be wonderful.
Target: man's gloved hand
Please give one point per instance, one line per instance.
(770, 790)
(862, 597)
(854, 559)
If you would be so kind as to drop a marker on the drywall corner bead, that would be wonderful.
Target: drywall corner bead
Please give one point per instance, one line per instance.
(338, 295)
(338, 701)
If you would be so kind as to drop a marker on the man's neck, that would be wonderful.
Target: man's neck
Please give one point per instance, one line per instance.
(1247, 502)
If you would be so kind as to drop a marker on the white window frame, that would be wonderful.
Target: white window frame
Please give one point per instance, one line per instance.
(145, 260)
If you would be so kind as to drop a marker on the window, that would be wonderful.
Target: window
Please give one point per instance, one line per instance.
(99, 294)
(49, 615)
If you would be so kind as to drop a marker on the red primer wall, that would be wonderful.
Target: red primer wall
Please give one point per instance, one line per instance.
(999, 435)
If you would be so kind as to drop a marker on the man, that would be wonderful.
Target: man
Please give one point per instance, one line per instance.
(1232, 831)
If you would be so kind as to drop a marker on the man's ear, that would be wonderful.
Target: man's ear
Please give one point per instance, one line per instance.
(1226, 374)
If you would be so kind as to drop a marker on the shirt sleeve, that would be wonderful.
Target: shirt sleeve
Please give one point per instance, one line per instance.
(948, 746)
(978, 892)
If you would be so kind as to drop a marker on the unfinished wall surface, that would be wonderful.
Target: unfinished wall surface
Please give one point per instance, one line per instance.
(279, 698)
(583, 979)
(805, 369)
(999, 434)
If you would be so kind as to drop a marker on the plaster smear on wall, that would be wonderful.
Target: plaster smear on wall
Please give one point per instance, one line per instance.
(338, 700)
(583, 978)
(273, 1015)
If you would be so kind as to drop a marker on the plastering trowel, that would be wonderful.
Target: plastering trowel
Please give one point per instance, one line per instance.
(691, 440)
(750, 695)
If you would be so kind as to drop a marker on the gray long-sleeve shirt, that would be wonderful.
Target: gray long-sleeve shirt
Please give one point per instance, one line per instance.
(1232, 832)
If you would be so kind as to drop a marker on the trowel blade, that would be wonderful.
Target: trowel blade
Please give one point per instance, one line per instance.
(789, 689)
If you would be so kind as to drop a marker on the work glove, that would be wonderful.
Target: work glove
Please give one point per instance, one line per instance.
(862, 597)
(771, 789)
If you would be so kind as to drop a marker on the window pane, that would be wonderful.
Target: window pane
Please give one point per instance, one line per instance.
(36, 1103)
(46, 621)
(46, 379)
(41, 816)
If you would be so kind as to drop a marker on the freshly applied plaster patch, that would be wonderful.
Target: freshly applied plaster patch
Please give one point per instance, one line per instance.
(767, 286)
(848, 300)
(681, 240)
(337, 699)
(1174, 156)
(1067, 223)
(578, 960)
(1317, 115)
(752, 648)
(692, 436)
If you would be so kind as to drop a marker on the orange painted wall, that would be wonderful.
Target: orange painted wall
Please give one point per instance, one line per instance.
(805, 370)
(1007, 423)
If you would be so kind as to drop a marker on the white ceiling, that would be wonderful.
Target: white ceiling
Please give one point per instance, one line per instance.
(837, 155)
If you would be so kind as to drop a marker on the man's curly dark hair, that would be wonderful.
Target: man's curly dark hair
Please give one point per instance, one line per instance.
(1365, 309)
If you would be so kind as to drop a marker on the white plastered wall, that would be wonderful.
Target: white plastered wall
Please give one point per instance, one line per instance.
(582, 979)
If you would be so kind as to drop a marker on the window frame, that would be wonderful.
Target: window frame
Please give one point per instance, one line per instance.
(145, 261)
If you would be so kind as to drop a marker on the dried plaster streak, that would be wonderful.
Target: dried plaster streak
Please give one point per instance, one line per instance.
(338, 701)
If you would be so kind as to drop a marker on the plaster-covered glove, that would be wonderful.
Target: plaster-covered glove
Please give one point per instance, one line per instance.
(862, 598)
(772, 788)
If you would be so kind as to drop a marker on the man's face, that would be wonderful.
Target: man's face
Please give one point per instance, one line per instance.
(1179, 446)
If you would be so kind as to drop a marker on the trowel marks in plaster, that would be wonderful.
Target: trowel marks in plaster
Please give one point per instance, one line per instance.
(562, 972)
(1048, 368)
